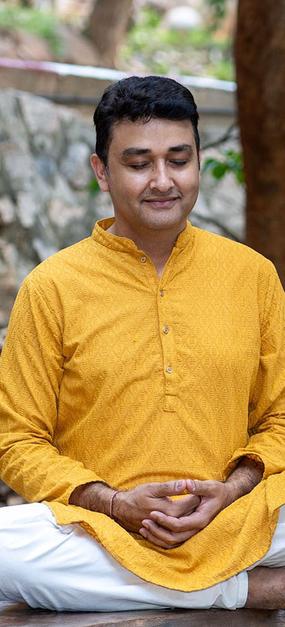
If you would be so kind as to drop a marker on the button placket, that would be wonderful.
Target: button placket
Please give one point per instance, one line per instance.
(168, 351)
(147, 271)
(170, 376)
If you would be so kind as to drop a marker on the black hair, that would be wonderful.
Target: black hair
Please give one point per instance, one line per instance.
(142, 98)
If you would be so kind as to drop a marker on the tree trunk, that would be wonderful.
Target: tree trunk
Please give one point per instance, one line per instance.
(107, 26)
(260, 64)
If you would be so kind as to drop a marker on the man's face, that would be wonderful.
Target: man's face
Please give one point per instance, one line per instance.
(152, 175)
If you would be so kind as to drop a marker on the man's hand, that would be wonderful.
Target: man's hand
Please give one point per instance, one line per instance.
(149, 510)
(169, 531)
(131, 507)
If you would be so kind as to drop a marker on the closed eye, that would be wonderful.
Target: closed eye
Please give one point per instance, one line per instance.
(138, 166)
(179, 162)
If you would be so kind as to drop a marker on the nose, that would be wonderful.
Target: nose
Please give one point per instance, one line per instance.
(161, 179)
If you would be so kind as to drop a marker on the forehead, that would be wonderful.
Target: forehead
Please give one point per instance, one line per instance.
(155, 135)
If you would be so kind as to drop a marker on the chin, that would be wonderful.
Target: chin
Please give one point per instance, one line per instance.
(165, 222)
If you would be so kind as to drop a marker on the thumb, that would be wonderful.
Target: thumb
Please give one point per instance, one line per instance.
(201, 488)
(169, 488)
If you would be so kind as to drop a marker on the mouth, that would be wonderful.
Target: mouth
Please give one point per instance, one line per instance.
(161, 203)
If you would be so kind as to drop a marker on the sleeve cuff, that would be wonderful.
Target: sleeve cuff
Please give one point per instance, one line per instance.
(238, 456)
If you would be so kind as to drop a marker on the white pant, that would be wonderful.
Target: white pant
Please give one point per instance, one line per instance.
(63, 568)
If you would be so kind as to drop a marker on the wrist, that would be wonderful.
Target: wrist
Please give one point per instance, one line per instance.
(95, 496)
(112, 504)
(232, 492)
(116, 505)
(244, 478)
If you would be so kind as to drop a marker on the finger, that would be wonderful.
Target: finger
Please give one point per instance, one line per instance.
(168, 488)
(169, 537)
(182, 507)
(194, 522)
(203, 488)
(150, 538)
(165, 545)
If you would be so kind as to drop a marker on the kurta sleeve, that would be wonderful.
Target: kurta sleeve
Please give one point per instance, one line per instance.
(31, 369)
(267, 404)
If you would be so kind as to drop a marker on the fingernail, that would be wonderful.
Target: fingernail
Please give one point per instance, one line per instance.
(179, 485)
(191, 485)
(142, 532)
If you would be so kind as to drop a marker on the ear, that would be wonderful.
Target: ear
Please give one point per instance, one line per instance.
(199, 161)
(99, 170)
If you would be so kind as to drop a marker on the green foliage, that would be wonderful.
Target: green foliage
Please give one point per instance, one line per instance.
(159, 49)
(41, 23)
(93, 187)
(230, 163)
(219, 8)
(223, 70)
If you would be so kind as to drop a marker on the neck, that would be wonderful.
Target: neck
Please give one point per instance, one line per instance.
(156, 244)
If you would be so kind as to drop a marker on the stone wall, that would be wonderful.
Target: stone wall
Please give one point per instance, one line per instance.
(45, 202)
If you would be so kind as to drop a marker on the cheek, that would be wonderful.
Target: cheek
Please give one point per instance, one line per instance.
(191, 185)
(135, 185)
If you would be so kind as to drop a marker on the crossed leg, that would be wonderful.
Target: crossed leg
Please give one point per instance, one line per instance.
(62, 568)
(266, 588)
(266, 579)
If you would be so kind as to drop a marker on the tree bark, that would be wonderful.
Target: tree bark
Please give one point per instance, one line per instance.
(260, 66)
(107, 26)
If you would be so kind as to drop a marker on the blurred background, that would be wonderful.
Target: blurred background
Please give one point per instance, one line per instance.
(57, 57)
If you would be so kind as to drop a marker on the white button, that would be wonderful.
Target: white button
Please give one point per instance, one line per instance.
(169, 370)
(143, 259)
(166, 329)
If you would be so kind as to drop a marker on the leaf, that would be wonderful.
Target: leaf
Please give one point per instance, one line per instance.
(219, 170)
(219, 7)
(93, 187)
(231, 162)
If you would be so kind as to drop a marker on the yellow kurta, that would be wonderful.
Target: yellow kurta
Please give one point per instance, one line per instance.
(110, 373)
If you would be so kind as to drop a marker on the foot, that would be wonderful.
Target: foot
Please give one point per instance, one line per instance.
(266, 588)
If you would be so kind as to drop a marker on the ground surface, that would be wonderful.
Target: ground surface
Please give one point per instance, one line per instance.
(17, 614)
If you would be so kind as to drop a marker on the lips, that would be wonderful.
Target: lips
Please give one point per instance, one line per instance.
(161, 202)
(160, 198)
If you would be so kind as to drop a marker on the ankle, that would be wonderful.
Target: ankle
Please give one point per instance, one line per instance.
(266, 588)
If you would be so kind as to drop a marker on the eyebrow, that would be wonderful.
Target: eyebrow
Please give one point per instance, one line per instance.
(181, 148)
(129, 152)
(132, 151)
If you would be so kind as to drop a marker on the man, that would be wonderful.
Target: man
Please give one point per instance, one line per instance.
(142, 393)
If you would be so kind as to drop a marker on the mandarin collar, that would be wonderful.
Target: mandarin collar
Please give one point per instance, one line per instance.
(123, 244)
